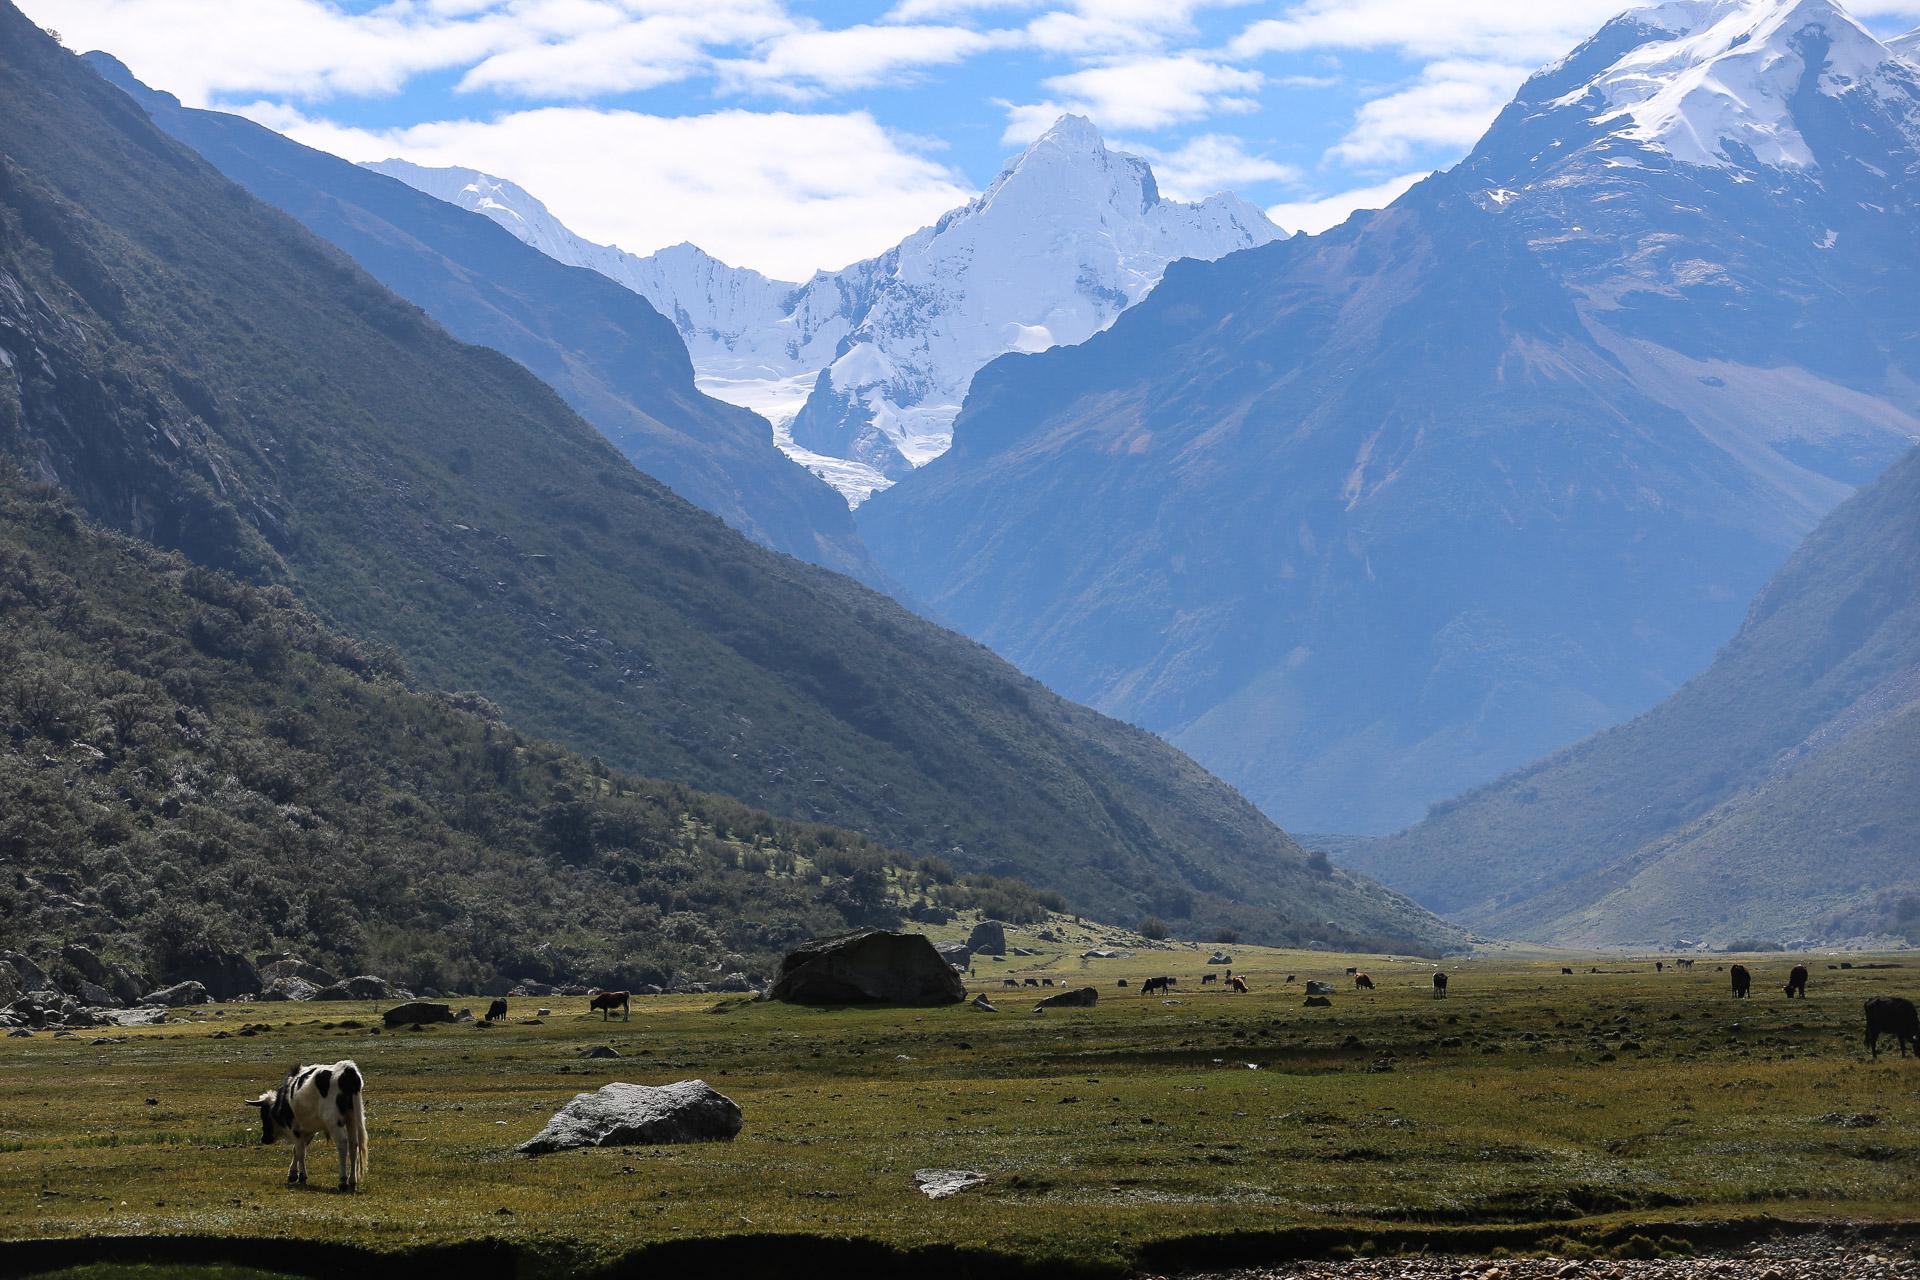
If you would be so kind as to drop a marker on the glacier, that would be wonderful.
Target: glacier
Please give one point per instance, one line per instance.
(861, 371)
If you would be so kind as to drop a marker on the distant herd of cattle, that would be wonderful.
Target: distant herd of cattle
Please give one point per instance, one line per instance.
(330, 1098)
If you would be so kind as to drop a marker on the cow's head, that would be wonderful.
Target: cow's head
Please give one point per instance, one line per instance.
(270, 1103)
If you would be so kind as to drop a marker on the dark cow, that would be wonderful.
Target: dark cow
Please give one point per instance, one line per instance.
(1205, 978)
(1683, 964)
(1152, 985)
(1797, 982)
(1289, 977)
(1009, 982)
(1566, 971)
(1893, 1016)
(1238, 985)
(496, 1011)
(1742, 982)
(1033, 982)
(1362, 982)
(327, 1098)
(1352, 969)
(1046, 982)
(1439, 986)
(1659, 967)
(607, 1001)
(1123, 982)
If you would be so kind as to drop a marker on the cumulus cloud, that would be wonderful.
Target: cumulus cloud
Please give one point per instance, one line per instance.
(792, 193)
(1210, 164)
(1315, 216)
(804, 63)
(1509, 30)
(1450, 105)
(1138, 93)
(584, 49)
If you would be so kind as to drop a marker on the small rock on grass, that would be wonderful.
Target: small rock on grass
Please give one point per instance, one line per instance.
(938, 1184)
(982, 1003)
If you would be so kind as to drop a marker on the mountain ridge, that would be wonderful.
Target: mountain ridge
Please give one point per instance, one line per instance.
(617, 362)
(862, 369)
(1366, 518)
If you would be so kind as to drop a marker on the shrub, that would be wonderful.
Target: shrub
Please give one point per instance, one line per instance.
(1153, 927)
(1227, 936)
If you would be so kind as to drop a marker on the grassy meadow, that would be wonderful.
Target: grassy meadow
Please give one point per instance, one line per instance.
(1108, 1135)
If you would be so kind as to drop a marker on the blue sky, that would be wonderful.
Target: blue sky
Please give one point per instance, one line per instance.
(788, 136)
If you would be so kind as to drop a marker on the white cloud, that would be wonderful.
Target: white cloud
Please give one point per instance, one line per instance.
(1315, 216)
(1210, 164)
(853, 57)
(589, 47)
(1450, 105)
(789, 193)
(1138, 93)
(1532, 31)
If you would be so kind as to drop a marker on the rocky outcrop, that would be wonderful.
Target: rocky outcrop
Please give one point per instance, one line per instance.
(179, 994)
(956, 954)
(288, 989)
(989, 938)
(31, 976)
(1315, 988)
(623, 1115)
(293, 967)
(224, 973)
(364, 987)
(868, 966)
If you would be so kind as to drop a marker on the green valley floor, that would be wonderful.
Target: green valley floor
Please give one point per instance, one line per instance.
(1614, 1111)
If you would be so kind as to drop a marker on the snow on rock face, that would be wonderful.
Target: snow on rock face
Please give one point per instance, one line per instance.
(862, 370)
(1717, 78)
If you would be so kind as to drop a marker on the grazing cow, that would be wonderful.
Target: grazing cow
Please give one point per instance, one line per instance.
(1123, 982)
(1352, 969)
(1009, 982)
(1152, 985)
(1238, 985)
(1683, 964)
(1797, 982)
(1361, 982)
(1439, 986)
(1033, 982)
(496, 1010)
(1893, 1016)
(607, 1001)
(1205, 978)
(1046, 982)
(324, 1098)
(1289, 977)
(1742, 981)
(1566, 971)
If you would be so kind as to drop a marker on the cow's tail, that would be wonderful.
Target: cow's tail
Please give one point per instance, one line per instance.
(353, 1099)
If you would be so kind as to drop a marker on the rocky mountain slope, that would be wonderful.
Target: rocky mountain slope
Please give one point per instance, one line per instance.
(1777, 795)
(604, 349)
(865, 367)
(1363, 519)
(202, 371)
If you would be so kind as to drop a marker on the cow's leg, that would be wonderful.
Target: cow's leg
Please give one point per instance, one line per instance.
(626, 1011)
(343, 1143)
(297, 1172)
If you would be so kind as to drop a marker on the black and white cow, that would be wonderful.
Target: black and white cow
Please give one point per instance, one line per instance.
(326, 1098)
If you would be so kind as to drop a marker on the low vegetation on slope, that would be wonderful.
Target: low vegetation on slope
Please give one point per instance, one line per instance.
(1777, 794)
(191, 762)
(202, 371)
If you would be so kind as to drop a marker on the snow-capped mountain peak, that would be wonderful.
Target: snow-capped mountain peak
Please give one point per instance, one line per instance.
(862, 370)
(1716, 82)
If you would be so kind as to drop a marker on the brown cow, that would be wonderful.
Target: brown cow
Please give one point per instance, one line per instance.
(1893, 1016)
(1237, 984)
(1797, 982)
(607, 1001)
(1362, 982)
(1742, 981)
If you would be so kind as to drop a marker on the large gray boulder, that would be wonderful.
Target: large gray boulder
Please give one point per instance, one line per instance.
(290, 967)
(224, 973)
(10, 987)
(180, 993)
(32, 977)
(631, 1115)
(1081, 998)
(954, 953)
(1315, 988)
(868, 966)
(364, 987)
(97, 996)
(989, 938)
(288, 989)
(417, 1011)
